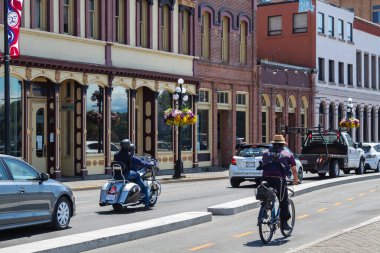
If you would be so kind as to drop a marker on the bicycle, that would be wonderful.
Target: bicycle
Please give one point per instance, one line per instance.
(269, 216)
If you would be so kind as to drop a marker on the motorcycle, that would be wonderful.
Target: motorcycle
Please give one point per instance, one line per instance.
(121, 193)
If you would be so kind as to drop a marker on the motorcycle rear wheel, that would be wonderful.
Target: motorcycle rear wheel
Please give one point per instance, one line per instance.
(153, 198)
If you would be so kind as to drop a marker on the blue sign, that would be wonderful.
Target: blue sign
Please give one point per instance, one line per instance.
(305, 6)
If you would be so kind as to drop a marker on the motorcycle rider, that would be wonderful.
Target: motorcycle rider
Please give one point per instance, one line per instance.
(276, 162)
(126, 156)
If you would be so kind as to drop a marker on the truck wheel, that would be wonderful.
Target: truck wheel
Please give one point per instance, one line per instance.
(360, 169)
(378, 167)
(235, 183)
(346, 172)
(257, 182)
(322, 175)
(334, 169)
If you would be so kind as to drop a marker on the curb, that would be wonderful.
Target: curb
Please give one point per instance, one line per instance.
(238, 206)
(308, 245)
(113, 235)
(162, 181)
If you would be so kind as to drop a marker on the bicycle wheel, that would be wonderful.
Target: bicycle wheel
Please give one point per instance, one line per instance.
(266, 228)
(292, 219)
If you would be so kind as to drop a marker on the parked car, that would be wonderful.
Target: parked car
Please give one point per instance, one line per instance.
(164, 146)
(92, 147)
(28, 197)
(372, 156)
(248, 158)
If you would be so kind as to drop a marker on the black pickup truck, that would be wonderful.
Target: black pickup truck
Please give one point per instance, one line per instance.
(329, 152)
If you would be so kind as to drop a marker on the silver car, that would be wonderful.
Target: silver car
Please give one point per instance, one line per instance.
(28, 197)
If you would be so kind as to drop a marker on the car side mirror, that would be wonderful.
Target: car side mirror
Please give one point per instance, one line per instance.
(360, 144)
(356, 145)
(44, 177)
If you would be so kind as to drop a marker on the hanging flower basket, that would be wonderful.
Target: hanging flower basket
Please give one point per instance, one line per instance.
(175, 117)
(349, 123)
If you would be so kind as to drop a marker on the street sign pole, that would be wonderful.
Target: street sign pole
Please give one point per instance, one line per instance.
(7, 114)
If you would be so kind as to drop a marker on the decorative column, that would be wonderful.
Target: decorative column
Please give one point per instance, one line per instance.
(26, 121)
(54, 137)
(369, 125)
(195, 130)
(336, 118)
(326, 113)
(361, 119)
(215, 160)
(83, 170)
(132, 116)
(108, 130)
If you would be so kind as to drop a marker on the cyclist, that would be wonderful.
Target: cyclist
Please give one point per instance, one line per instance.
(276, 162)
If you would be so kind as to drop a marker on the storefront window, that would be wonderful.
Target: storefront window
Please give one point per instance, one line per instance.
(94, 119)
(119, 115)
(187, 131)
(165, 133)
(16, 113)
(203, 133)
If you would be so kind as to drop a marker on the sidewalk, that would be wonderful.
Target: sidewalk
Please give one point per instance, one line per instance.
(82, 185)
(361, 238)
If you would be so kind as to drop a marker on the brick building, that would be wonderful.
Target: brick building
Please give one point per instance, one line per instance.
(226, 64)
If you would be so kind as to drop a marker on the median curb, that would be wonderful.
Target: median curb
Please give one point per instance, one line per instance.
(311, 244)
(113, 235)
(238, 206)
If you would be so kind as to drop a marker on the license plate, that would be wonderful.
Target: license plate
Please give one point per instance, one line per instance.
(304, 162)
(110, 197)
(250, 164)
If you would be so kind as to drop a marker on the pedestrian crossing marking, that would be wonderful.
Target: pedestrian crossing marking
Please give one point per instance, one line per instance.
(321, 210)
(362, 194)
(349, 199)
(208, 245)
(338, 203)
(303, 216)
(372, 190)
(243, 234)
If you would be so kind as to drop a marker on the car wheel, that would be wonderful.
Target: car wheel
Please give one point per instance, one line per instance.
(235, 182)
(378, 167)
(360, 169)
(62, 213)
(322, 175)
(257, 182)
(300, 175)
(334, 169)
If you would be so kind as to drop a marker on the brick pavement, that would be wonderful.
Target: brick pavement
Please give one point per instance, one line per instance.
(358, 239)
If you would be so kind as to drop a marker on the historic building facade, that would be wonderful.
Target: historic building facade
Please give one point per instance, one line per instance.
(226, 65)
(94, 72)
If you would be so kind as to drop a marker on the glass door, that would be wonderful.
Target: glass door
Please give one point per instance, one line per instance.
(38, 135)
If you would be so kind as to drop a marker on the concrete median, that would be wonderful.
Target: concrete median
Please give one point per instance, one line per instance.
(113, 235)
(238, 206)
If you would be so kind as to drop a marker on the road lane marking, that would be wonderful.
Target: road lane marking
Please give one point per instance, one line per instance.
(352, 198)
(372, 190)
(362, 194)
(243, 234)
(321, 210)
(303, 216)
(338, 203)
(208, 245)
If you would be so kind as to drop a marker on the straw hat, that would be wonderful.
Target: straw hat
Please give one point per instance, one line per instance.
(279, 139)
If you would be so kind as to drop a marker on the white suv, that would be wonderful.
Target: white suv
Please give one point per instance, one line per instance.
(248, 158)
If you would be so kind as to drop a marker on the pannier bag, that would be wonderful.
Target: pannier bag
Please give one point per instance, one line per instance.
(264, 193)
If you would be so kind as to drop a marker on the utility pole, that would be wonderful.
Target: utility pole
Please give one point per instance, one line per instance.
(7, 114)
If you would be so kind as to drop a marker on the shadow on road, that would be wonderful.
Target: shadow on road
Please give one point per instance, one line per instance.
(124, 211)
(26, 232)
(260, 244)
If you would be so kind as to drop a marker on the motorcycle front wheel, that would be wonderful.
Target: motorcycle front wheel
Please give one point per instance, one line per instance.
(118, 207)
(153, 197)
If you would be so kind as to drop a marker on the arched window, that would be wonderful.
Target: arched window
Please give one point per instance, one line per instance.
(165, 28)
(94, 19)
(205, 35)
(16, 116)
(119, 115)
(373, 124)
(185, 32)
(94, 117)
(40, 14)
(225, 39)
(264, 119)
(321, 114)
(340, 113)
(120, 20)
(365, 124)
(243, 43)
(165, 132)
(144, 24)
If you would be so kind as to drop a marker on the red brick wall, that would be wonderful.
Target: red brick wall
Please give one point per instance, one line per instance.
(231, 77)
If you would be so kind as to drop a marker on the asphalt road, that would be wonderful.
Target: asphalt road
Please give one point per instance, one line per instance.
(175, 198)
(318, 214)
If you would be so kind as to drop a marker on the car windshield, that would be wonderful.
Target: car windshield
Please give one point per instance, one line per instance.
(251, 151)
(366, 148)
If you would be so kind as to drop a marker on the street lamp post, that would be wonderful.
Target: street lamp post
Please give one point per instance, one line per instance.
(179, 96)
(350, 106)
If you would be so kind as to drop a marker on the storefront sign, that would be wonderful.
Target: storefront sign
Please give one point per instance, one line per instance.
(67, 107)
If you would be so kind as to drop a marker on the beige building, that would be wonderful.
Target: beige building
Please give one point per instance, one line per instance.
(94, 72)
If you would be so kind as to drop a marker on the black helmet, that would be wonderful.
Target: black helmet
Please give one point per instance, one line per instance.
(126, 143)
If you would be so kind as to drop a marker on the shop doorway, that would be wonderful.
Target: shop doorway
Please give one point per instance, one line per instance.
(224, 137)
(39, 134)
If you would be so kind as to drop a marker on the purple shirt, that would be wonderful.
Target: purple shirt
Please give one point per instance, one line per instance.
(275, 163)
